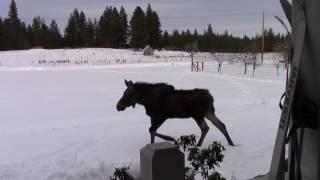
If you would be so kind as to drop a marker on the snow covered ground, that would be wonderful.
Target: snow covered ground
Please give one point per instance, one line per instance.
(61, 122)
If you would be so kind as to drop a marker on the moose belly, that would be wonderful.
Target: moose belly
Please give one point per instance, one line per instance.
(185, 108)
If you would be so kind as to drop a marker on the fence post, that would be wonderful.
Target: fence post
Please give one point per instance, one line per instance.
(161, 161)
(192, 65)
(197, 66)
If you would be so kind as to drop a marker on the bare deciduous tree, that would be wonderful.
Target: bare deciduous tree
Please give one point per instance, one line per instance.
(282, 49)
(249, 56)
(281, 54)
(220, 58)
(277, 60)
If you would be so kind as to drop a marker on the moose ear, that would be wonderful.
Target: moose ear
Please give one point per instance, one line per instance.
(128, 83)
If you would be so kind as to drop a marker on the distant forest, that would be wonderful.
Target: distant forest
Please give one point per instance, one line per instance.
(113, 30)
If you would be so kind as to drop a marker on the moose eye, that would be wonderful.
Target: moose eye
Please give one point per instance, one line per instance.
(126, 94)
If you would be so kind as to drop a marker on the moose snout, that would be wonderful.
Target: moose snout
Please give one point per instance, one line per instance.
(120, 107)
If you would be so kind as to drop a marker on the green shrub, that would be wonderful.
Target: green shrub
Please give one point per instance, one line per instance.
(201, 161)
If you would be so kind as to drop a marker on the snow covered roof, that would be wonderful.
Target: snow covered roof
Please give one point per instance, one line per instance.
(148, 51)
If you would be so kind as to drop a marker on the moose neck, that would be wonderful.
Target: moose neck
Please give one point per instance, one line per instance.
(148, 94)
(143, 98)
(143, 93)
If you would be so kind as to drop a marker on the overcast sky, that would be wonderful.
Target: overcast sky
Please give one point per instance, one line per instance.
(239, 17)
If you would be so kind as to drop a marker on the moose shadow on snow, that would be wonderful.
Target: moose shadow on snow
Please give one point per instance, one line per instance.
(163, 101)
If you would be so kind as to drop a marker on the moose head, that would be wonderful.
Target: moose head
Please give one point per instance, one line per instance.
(128, 98)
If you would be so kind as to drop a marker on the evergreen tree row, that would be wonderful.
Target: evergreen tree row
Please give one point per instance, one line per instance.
(15, 35)
(210, 41)
(112, 30)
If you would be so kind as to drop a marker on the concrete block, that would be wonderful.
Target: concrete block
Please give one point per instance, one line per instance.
(161, 161)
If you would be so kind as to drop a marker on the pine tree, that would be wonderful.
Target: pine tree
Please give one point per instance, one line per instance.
(139, 33)
(36, 30)
(96, 30)
(209, 31)
(44, 34)
(12, 28)
(13, 11)
(105, 30)
(30, 35)
(195, 35)
(149, 24)
(153, 26)
(156, 33)
(76, 30)
(270, 40)
(176, 39)
(82, 25)
(90, 34)
(124, 29)
(40, 33)
(165, 42)
(24, 36)
(76, 35)
(188, 36)
(55, 36)
(207, 39)
(183, 39)
(1, 35)
(115, 28)
(71, 34)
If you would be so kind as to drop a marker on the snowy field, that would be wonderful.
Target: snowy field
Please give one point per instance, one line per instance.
(60, 123)
(84, 57)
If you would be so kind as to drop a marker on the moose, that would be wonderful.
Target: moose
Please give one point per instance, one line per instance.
(163, 101)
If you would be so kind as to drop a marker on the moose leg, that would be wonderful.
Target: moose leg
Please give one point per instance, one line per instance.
(152, 131)
(155, 124)
(204, 129)
(165, 137)
(220, 125)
